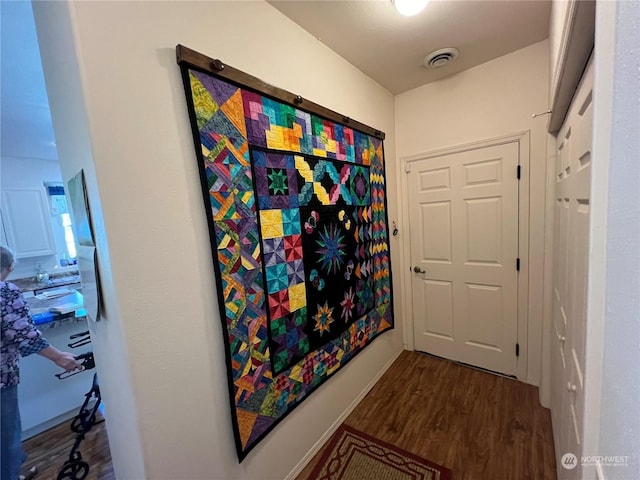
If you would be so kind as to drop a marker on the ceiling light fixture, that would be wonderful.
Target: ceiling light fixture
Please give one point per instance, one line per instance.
(409, 7)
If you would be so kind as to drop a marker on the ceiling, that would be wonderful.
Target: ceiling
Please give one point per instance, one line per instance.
(370, 34)
(390, 48)
(26, 130)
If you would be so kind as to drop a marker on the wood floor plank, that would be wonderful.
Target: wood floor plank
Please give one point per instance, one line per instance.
(49, 451)
(480, 425)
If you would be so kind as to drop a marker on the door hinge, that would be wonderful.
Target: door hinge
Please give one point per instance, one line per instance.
(407, 167)
(518, 172)
(517, 349)
(518, 264)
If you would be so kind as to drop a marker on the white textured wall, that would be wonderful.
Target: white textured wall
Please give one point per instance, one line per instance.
(160, 349)
(63, 76)
(28, 172)
(491, 100)
(612, 373)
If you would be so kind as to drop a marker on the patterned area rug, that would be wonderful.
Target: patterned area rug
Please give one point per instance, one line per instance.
(354, 455)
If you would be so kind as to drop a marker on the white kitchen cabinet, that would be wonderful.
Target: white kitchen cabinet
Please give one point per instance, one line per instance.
(26, 222)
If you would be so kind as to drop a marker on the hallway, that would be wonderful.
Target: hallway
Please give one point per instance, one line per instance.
(479, 425)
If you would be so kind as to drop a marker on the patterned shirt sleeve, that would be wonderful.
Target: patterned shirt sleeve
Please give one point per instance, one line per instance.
(18, 328)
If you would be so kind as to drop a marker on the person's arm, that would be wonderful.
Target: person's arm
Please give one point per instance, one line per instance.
(21, 330)
(64, 360)
(17, 327)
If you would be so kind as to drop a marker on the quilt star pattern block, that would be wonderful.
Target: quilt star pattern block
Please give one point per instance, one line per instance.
(298, 223)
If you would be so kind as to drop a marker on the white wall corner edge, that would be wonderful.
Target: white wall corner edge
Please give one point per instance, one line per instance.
(323, 439)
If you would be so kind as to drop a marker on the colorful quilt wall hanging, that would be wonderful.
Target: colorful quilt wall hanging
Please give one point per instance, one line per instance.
(298, 222)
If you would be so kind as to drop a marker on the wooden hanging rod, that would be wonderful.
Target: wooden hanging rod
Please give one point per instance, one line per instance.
(187, 57)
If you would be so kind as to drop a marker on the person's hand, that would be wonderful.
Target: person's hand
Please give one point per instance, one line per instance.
(67, 361)
(64, 360)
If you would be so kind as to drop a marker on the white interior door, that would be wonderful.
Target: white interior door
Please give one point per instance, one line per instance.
(464, 245)
(571, 245)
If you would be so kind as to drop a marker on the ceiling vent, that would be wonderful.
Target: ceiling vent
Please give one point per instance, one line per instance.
(440, 58)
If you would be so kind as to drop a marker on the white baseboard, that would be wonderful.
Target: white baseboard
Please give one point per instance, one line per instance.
(35, 430)
(319, 444)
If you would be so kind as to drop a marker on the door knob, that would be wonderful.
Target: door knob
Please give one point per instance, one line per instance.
(419, 270)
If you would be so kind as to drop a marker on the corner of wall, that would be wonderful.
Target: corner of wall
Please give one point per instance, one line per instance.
(56, 29)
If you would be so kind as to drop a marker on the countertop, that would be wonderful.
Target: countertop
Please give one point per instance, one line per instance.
(55, 280)
(39, 306)
(39, 310)
(64, 321)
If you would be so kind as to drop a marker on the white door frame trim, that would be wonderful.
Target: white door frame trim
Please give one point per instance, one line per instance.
(523, 140)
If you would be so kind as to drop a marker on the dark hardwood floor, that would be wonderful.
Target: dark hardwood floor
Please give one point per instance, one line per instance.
(481, 426)
(49, 450)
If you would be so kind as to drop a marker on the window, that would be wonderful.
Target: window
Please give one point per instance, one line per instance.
(68, 235)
